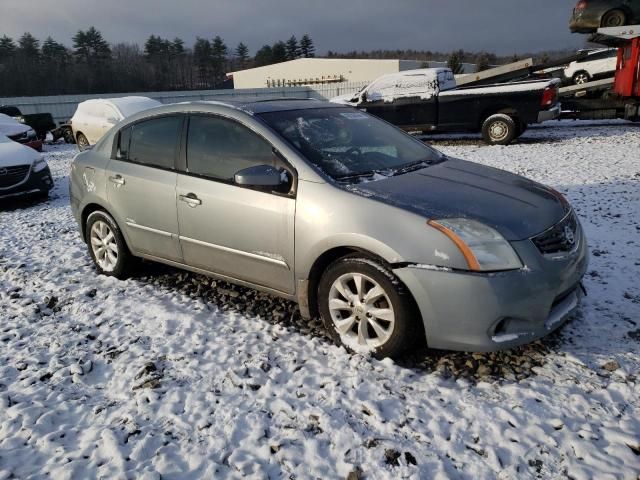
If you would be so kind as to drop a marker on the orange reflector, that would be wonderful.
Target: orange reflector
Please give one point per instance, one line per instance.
(464, 249)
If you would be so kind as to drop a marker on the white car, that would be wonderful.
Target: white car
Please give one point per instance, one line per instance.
(22, 170)
(597, 63)
(94, 118)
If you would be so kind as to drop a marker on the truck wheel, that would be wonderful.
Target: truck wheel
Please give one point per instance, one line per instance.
(499, 129)
(614, 18)
(580, 78)
(68, 136)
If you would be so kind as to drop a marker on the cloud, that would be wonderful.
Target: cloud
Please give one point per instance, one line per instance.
(503, 26)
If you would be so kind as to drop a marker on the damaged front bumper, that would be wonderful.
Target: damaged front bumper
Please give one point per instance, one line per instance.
(493, 311)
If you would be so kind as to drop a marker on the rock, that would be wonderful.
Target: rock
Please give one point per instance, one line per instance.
(152, 383)
(391, 457)
(484, 371)
(51, 301)
(411, 460)
(92, 293)
(354, 474)
(611, 366)
(148, 368)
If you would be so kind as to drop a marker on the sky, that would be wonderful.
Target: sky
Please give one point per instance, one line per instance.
(501, 26)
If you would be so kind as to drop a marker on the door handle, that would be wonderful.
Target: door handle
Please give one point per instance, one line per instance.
(191, 199)
(117, 179)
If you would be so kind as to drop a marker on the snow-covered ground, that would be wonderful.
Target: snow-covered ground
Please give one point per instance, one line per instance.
(171, 375)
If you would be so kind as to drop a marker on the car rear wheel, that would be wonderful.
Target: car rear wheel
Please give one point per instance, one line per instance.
(82, 142)
(107, 247)
(499, 129)
(580, 78)
(365, 307)
(614, 18)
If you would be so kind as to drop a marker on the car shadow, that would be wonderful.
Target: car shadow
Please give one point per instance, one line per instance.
(24, 201)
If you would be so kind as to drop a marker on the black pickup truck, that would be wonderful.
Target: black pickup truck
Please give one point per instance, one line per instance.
(428, 100)
(42, 123)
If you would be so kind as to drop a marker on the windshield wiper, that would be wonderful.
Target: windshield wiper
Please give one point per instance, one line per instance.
(354, 176)
(412, 166)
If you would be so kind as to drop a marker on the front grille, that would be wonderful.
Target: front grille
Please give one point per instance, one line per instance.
(560, 238)
(10, 176)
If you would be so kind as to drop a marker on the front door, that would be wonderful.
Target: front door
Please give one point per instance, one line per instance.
(142, 186)
(239, 232)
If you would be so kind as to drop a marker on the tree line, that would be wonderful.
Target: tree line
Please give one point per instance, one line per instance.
(29, 67)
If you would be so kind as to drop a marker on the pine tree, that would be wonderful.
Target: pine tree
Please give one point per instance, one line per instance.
(219, 52)
(279, 52)
(53, 51)
(242, 54)
(264, 56)
(292, 48)
(7, 48)
(89, 46)
(28, 46)
(202, 56)
(455, 62)
(177, 47)
(306, 47)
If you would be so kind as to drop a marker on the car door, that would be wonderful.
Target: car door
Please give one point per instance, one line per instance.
(142, 185)
(238, 232)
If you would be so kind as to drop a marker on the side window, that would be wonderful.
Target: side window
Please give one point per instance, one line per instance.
(122, 149)
(154, 142)
(218, 148)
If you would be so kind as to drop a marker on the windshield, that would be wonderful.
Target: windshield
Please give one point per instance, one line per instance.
(345, 142)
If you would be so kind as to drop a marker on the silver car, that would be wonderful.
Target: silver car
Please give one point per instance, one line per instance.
(383, 237)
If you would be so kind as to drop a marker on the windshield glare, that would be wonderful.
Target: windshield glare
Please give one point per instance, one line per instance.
(345, 142)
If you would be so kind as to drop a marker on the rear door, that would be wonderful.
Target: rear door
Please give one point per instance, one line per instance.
(142, 185)
(239, 232)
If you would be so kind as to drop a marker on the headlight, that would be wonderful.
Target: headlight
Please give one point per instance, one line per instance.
(39, 165)
(482, 246)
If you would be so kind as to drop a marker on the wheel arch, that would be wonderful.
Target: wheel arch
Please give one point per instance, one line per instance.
(84, 215)
(496, 109)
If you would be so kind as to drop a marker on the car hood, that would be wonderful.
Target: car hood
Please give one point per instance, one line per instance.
(516, 207)
(9, 126)
(14, 154)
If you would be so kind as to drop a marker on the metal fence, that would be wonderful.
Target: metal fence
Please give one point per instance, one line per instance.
(62, 107)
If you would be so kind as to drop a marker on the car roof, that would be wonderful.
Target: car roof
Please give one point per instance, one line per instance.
(272, 105)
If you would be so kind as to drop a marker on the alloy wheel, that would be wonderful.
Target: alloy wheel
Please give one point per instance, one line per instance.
(104, 246)
(581, 79)
(361, 311)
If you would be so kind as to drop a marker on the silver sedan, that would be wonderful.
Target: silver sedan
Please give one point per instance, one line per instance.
(389, 241)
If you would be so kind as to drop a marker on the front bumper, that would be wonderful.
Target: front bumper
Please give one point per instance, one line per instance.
(34, 182)
(550, 114)
(487, 312)
(586, 22)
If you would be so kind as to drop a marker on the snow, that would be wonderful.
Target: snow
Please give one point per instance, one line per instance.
(10, 127)
(14, 154)
(424, 83)
(171, 375)
(502, 88)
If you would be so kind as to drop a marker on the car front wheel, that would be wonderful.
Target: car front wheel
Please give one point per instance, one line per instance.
(107, 247)
(366, 308)
(499, 129)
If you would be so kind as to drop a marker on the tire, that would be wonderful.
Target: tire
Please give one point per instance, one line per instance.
(68, 136)
(581, 77)
(614, 18)
(112, 256)
(386, 325)
(499, 129)
(82, 142)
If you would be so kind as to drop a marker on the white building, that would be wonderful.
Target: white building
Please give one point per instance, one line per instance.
(318, 71)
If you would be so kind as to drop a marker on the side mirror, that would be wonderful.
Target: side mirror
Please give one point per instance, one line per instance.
(259, 176)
